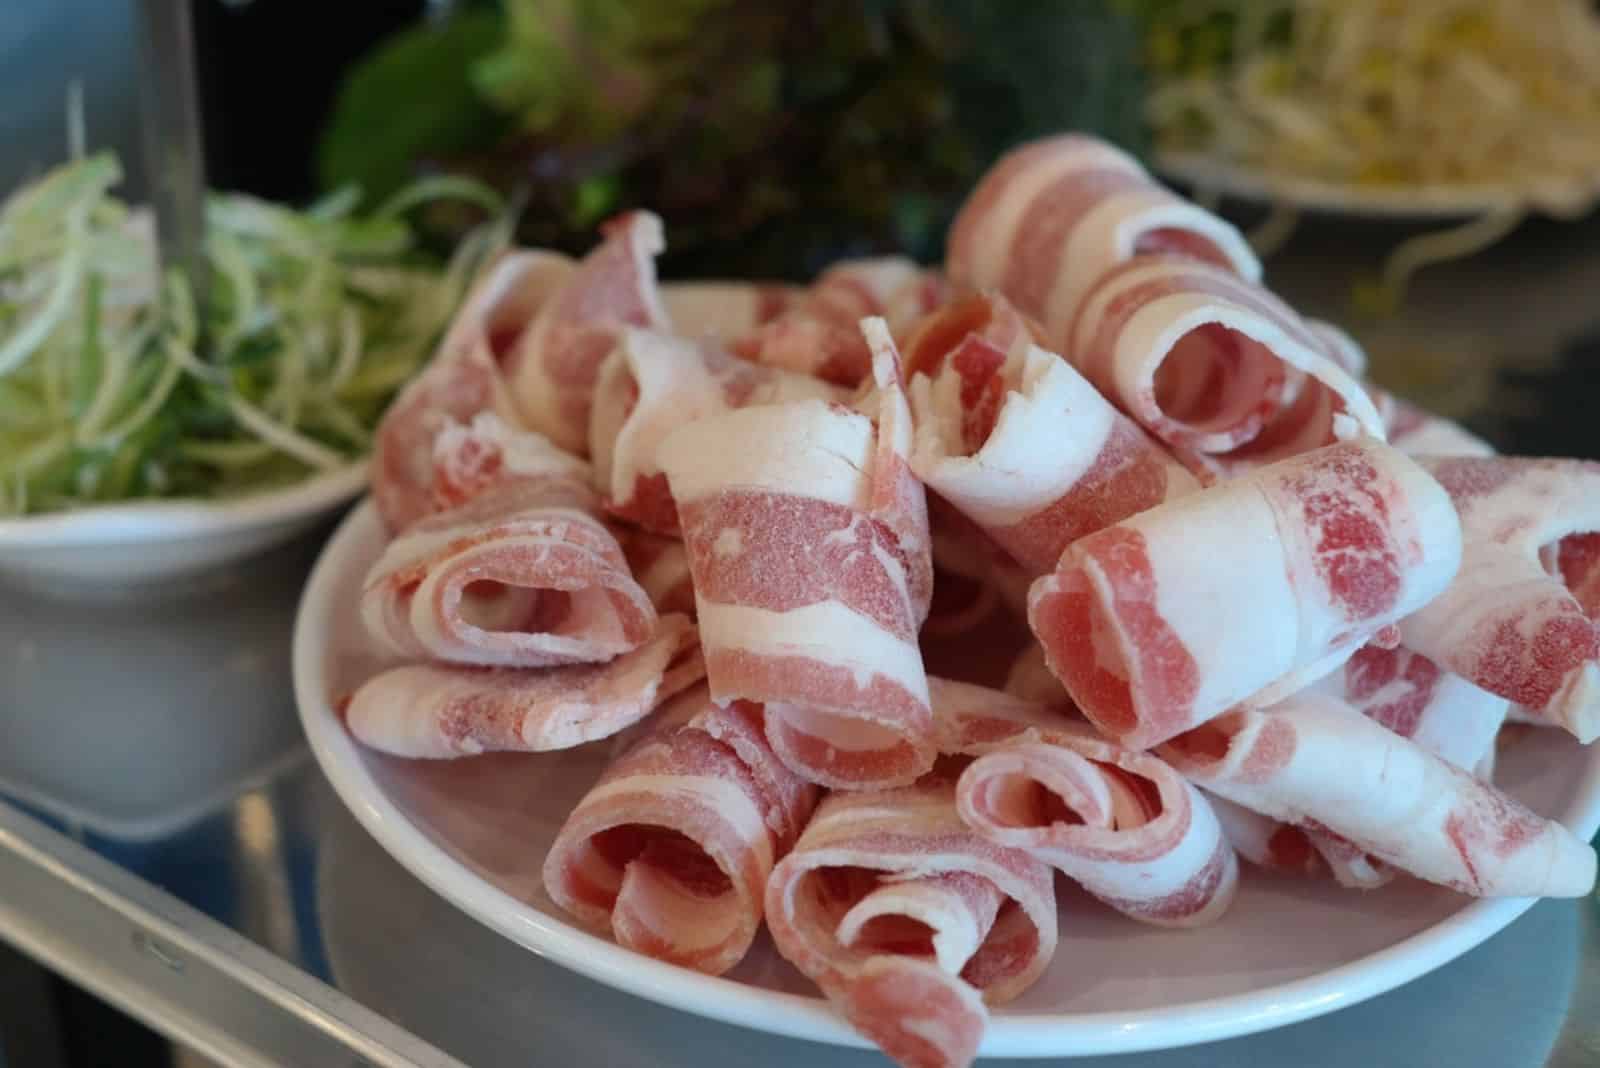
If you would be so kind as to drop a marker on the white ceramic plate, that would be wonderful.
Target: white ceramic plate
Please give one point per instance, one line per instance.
(476, 831)
(132, 546)
(1562, 199)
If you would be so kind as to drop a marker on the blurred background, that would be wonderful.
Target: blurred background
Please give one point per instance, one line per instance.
(775, 138)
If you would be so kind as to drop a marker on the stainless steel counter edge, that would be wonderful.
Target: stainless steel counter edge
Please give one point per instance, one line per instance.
(177, 970)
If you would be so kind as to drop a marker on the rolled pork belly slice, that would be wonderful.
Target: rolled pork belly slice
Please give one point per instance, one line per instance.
(911, 923)
(464, 378)
(553, 368)
(442, 711)
(1053, 216)
(1215, 366)
(1245, 592)
(650, 385)
(523, 574)
(1312, 761)
(808, 543)
(1026, 448)
(670, 852)
(1121, 823)
(1509, 623)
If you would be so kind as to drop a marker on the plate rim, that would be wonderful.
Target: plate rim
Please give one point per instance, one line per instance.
(171, 519)
(797, 1016)
(1435, 201)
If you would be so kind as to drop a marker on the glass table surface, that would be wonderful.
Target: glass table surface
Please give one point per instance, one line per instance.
(166, 842)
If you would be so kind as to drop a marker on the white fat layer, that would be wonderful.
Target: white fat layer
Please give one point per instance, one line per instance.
(1108, 233)
(956, 934)
(417, 545)
(807, 448)
(674, 388)
(1236, 611)
(670, 912)
(522, 452)
(1400, 803)
(731, 804)
(827, 632)
(997, 232)
(398, 713)
(1049, 432)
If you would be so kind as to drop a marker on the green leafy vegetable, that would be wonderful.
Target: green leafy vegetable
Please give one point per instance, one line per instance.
(412, 100)
(773, 138)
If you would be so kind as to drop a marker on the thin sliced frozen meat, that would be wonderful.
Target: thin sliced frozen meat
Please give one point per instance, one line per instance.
(651, 385)
(671, 850)
(1390, 798)
(441, 711)
(808, 544)
(465, 378)
(1054, 216)
(1022, 444)
(1244, 592)
(553, 368)
(911, 923)
(724, 310)
(1507, 624)
(521, 575)
(1214, 365)
(1121, 823)
(818, 334)
(1417, 699)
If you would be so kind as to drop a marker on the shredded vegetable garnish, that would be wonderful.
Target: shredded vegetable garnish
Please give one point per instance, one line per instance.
(1487, 101)
(114, 386)
(1385, 93)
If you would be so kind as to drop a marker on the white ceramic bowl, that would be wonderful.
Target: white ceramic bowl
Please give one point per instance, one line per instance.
(139, 545)
(476, 831)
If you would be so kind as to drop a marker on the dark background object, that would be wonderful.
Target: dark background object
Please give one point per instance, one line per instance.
(269, 71)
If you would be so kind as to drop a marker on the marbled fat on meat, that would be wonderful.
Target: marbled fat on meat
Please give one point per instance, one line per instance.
(441, 711)
(1507, 624)
(911, 923)
(1053, 216)
(1391, 798)
(521, 574)
(1019, 442)
(1303, 562)
(808, 544)
(465, 378)
(671, 850)
(1121, 823)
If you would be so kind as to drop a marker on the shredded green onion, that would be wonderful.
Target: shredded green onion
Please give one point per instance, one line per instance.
(113, 385)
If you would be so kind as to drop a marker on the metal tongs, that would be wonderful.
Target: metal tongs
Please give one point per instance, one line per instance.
(169, 107)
